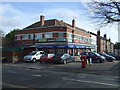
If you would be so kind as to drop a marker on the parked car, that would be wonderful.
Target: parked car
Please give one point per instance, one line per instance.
(33, 56)
(95, 57)
(62, 58)
(46, 58)
(117, 57)
(108, 57)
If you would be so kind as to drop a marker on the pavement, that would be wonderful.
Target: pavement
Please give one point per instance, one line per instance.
(105, 68)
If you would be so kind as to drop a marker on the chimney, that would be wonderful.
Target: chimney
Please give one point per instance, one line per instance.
(98, 32)
(109, 40)
(42, 20)
(73, 23)
(105, 36)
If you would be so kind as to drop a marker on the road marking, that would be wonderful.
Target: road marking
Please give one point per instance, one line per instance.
(12, 72)
(25, 74)
(108, 78)
(37, 75)
(90, 82)
(15, 86)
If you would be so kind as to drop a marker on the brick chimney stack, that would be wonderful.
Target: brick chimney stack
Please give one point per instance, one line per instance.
(42, 20)
(73, 23)
(105, 36)
(98, 32)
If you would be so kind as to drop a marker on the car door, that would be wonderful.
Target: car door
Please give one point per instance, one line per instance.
(38, 55)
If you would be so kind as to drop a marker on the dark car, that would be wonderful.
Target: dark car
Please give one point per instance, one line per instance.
(46, 58)
(62, 58)
(117, 57)
(95, 57)
(108, 57)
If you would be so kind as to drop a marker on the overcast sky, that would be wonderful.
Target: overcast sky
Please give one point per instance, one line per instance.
(21, 14)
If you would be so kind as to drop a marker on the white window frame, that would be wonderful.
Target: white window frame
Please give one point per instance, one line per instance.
(60, 35)
(18, 37)
(48, 35)
(38, 35)
(25, 37)
(31, 36)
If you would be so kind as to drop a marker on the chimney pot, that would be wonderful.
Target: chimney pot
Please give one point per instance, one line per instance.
(105, 36)
(42, 20)
(73, 23)
(98, 32)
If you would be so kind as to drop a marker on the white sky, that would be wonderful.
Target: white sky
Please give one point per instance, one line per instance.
(21, 14)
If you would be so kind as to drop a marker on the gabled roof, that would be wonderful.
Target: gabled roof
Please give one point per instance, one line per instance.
(52, 22)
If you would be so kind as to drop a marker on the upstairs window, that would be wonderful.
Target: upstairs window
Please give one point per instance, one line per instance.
(38, 35)
(18, 37)
(60, 35)
(48, 35)
(70, 35)
(31, 36)
(25, 37)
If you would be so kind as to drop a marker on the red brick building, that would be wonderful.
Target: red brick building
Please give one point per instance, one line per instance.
(54, 36)
(103, 44)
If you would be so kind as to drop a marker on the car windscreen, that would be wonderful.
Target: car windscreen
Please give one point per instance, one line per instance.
(97, 54)
(32, 53)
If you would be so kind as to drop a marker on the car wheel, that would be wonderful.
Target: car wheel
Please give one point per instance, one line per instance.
(25, 61)
(34, 60)
(64, 62)
(98, 61)
(40, 61)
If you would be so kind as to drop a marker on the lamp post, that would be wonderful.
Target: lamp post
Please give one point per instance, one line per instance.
(73, 41)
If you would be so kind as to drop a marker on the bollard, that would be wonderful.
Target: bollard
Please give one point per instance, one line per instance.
(90, 61)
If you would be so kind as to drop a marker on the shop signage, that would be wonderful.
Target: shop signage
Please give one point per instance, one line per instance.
(49, 46)
(51, 40)
(40, 46)
(42, 40)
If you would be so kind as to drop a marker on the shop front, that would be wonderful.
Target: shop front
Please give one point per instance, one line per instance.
(73, 50)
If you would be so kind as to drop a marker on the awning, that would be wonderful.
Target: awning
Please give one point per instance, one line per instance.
(64, 46)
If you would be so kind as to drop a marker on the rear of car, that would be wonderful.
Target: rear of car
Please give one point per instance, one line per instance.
(108, 57)
(62, 58)
(46, 58)
(117, 57)
(96, 58)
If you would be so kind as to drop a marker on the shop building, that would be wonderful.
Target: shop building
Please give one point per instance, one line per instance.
(55, 36)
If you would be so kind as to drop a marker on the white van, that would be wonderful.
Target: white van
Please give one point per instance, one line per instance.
(33, 56)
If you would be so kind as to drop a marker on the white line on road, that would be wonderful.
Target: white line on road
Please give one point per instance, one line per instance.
(25, 74)
(90, 82)
(37, 75)
(108, 78)
(12, 72)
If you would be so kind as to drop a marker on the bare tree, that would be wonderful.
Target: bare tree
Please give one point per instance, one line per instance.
(105, 12)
